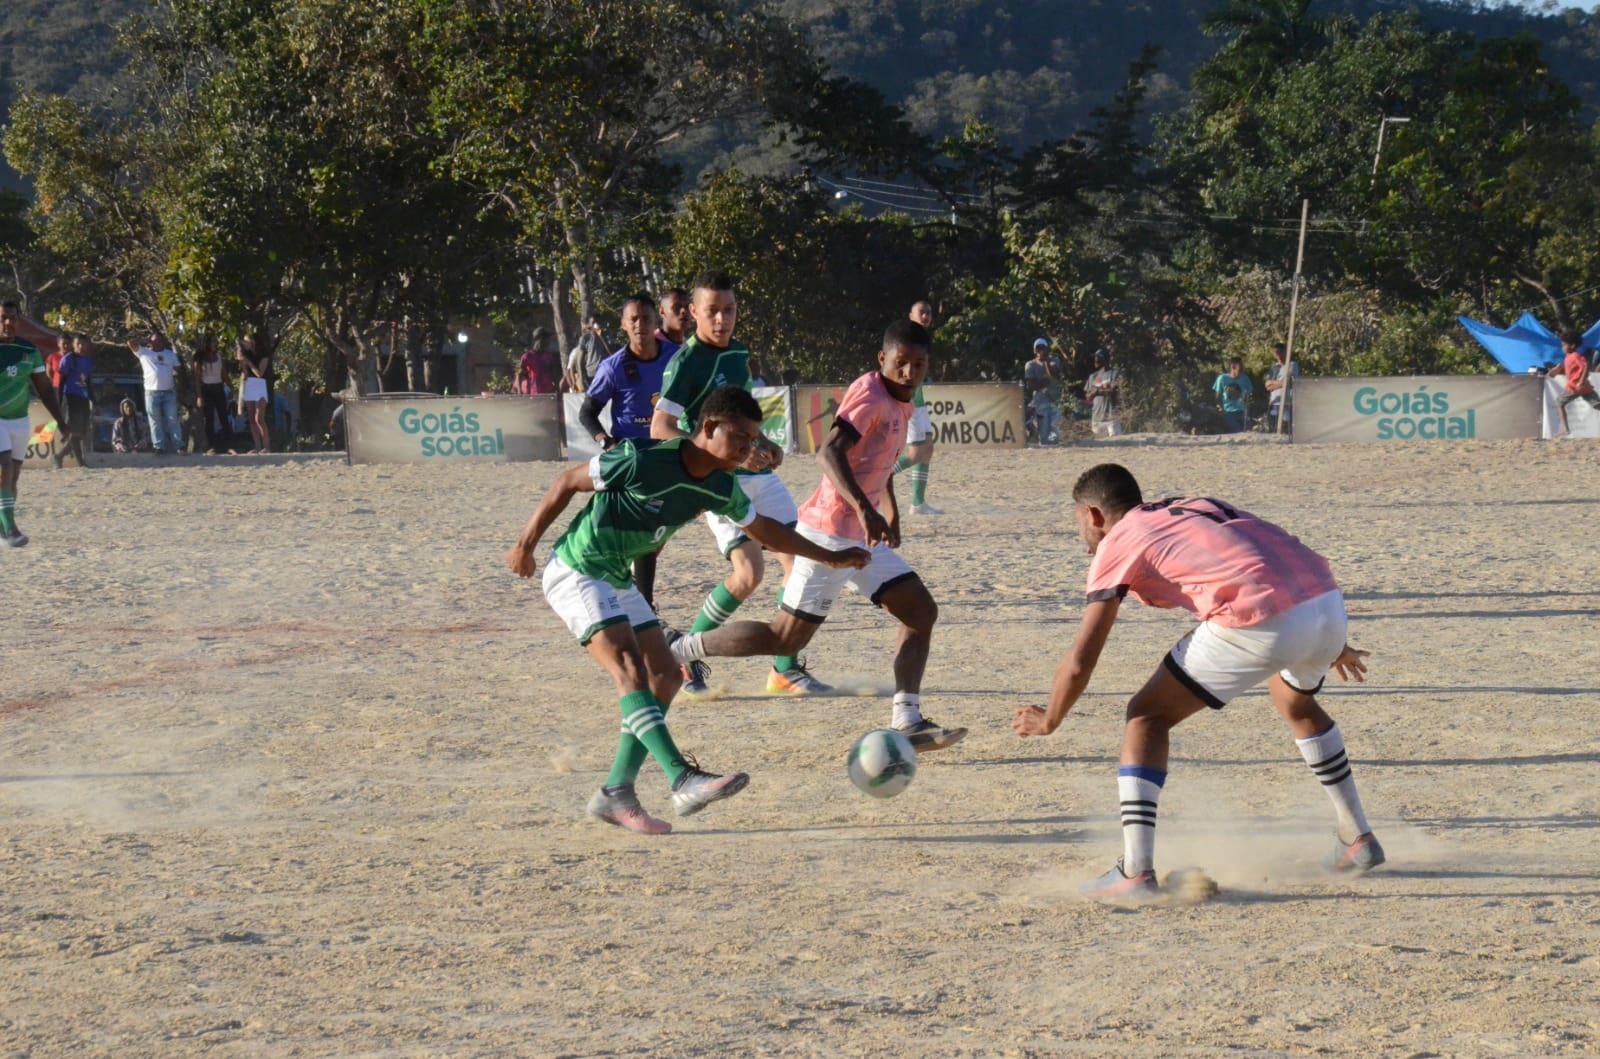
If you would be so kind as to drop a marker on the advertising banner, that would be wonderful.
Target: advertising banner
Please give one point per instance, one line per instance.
(444, 429)
(1582, 420)
(42, 439)
(1418, 408)
(776, 425)
(977, 413)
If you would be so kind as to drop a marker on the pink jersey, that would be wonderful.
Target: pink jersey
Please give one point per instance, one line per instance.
(880, 418)
(1225, 565)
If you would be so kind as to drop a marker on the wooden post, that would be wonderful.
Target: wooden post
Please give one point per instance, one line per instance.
(1294, 306)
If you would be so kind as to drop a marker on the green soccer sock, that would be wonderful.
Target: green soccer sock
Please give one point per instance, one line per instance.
(919, 483)
(719, 607)
(783, 663)
(8, 506)
(901, 464)
(645, 719)
(630, 755)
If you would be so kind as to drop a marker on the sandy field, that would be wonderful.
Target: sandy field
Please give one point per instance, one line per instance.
(290, 765)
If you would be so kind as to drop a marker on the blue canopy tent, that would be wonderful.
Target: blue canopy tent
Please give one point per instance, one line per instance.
(1526, 345)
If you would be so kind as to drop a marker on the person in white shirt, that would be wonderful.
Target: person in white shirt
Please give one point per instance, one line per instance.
(160, 363)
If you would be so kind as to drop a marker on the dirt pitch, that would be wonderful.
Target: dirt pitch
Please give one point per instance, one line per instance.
(291, 766)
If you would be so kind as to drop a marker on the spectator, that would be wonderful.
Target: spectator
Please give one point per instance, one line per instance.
(129, 433)
(1039, 384)
(77, 395)
(1575, 366)
(539, 370)
(756, 378)
(1233, 391)
(253, 368)
(1104, 392)
(585, 358)
(1276, 386)
(212, 400)
(160, 363)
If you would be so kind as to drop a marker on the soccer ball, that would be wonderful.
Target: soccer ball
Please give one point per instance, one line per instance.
(882, 763)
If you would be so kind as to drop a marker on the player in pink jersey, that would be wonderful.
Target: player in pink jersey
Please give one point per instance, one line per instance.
(1269, 610)
(856, 503)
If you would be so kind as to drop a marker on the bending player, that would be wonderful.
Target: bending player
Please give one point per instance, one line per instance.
(855, 505)
(641, 497)
(918, 457)
(711, 358)
(1269, 610)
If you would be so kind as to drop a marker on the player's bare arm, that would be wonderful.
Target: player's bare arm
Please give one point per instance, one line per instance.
(1072, 675)
(835, 457)
(780, 538)
(664, 426)
(1351, 664)
(573, 481)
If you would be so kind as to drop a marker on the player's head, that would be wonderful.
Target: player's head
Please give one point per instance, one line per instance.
(639, 320)
(1102, 495)
(9, 313)
(922, 313)
(714, 307)
(903, 361)
(730, 423)
(676, 319)
(1570, 340)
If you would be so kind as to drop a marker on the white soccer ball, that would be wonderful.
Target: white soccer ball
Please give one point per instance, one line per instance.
(882, 763)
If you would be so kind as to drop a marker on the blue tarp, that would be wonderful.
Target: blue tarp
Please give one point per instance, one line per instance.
(1526, 345)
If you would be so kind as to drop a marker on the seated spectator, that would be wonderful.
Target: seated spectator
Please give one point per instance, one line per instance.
(130, 433)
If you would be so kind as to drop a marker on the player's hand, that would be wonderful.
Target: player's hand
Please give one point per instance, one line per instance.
(856, 558)
(520, 560)
(758, 460)
(877, 527)
(1351, 664)
(1032, 720)
(894, 529)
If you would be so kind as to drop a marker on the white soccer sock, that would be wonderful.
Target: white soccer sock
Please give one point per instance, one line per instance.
(687, 648)
(1139, 788)
(1325, 754)
(907, 709)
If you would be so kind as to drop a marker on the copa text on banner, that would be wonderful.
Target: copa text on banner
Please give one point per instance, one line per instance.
(1418, 408)
(446, 429)
(977, 413)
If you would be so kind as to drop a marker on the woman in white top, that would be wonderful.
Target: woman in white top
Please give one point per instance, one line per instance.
(253, 368)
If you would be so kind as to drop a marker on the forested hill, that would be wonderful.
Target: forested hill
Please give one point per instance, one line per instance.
(1034, 69)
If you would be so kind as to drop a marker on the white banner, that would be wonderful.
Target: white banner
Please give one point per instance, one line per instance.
(426, 429)
(1417, 408)
(1582, 420)
(775, 403)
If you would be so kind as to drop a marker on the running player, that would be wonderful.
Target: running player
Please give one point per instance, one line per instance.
(1269, 610)
(711, 358)
(919, 433)
(855, 506)
(21, 366)
(641, 497)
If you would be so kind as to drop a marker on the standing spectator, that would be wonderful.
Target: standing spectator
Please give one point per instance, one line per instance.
(160, 363)
(213, 397)
(918, 455)
(253, 368)
(129, 433)
(1039, 383)
(21, 366)
(677, 322)
(585, 358)
(1575, 366)
(1104, 392)
(77, 394)
(539, 370)
(1233, 391)
(1277, 386)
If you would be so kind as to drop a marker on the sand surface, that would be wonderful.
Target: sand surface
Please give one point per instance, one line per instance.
(290, 765)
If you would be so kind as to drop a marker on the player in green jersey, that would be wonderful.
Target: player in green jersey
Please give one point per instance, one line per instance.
(711, 358)
(21, 368)
(641, 497)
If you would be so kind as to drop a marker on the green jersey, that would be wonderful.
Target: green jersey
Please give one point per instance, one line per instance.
(642, 495)
(20, 360)
(696, 370)
(916, 397)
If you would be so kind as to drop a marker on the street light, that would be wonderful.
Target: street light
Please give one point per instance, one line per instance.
(1382, 126)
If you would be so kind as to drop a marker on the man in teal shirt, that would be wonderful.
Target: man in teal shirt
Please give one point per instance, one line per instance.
(1233, 392)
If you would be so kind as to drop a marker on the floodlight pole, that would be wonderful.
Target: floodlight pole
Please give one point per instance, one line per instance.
(1294, 307)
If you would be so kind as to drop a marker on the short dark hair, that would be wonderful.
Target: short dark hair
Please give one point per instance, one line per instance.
(906, 332)
(675, 292)
(1571, 338)
(639, 298)
(730, 402)
(711, 279)
(13, 306)
(1235, 360)
(1110, 487)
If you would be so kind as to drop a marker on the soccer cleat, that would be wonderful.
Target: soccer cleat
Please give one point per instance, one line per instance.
(796, 681)
(1119, 887)
(695, 682)
(619, 805)
(1362, 855)
(925, 509)
(15, 539)
(697, 789)
(926, 735)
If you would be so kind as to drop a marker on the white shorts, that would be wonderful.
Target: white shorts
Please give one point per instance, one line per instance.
(920, 426)
(813, 587)
(1105, 428)
(588, 604)
(1300, 645)
(14, 434)
(768, 496)
(255, 389)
